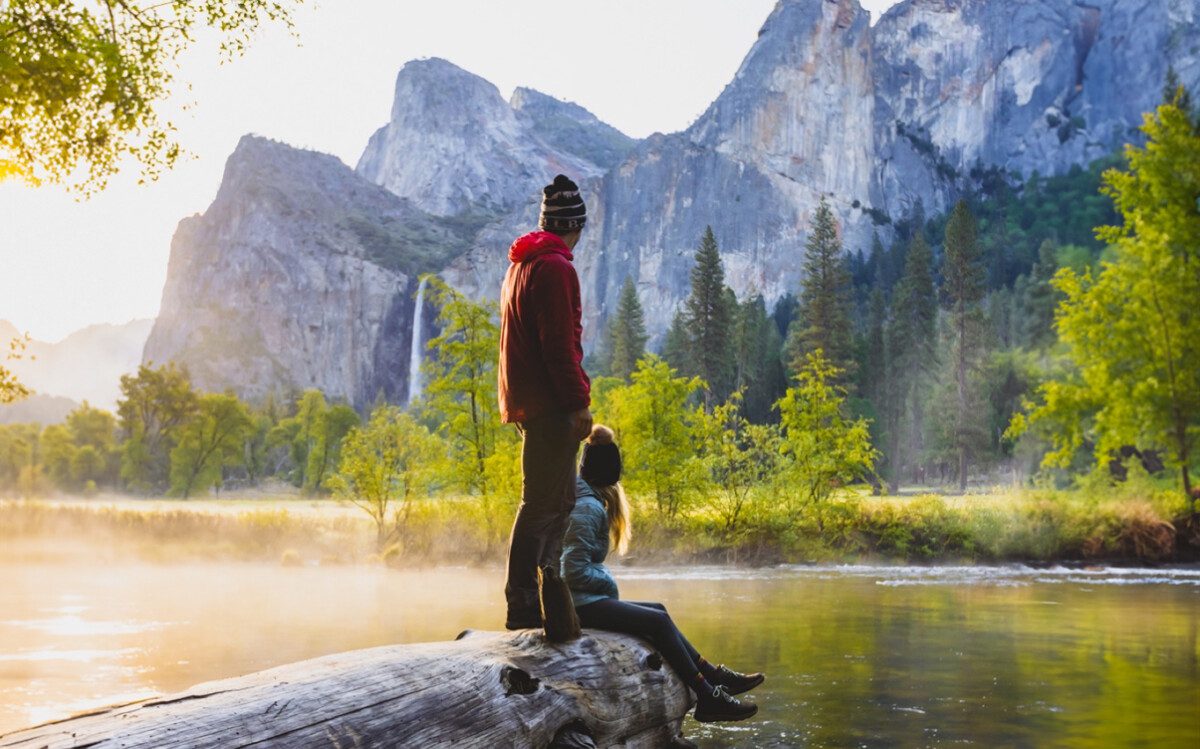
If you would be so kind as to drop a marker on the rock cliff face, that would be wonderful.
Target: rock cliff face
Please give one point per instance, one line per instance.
(878, 120)
(300, 274)
(454, 146)
(881, 118)
(1024, 85)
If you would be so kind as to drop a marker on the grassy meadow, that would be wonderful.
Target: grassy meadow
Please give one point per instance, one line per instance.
(1134, 523)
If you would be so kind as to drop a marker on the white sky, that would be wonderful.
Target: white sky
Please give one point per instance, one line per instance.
(640, 65)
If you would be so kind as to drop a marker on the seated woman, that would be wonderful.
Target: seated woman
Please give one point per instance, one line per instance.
(601, 515)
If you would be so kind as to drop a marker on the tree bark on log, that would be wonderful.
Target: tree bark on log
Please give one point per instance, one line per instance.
(486, 689)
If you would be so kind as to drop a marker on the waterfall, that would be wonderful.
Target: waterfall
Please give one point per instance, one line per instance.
(414, 355)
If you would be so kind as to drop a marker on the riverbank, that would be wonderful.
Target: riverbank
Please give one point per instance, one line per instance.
(1030, 526)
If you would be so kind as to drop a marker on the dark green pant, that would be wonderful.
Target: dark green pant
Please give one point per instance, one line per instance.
(548, 454)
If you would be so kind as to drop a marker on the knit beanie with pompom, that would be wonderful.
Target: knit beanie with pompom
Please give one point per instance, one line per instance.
(601, 462)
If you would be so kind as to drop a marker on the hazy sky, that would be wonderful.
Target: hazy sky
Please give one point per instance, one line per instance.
(640, 65)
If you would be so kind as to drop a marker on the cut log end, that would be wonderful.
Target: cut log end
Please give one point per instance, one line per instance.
(484, 689)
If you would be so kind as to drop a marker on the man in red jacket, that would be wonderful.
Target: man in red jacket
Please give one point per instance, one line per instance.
(545, 392)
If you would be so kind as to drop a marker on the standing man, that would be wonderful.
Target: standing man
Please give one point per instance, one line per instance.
(545, 392)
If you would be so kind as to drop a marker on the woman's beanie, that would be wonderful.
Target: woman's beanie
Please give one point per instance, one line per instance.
(562, 206)
(601, 462)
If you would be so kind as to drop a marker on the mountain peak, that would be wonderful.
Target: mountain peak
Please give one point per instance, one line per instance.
(570, 128)
(454, 146)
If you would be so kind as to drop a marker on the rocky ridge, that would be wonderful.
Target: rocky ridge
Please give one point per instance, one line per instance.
(880, 120)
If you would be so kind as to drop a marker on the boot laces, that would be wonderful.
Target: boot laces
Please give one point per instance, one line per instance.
(724, 696)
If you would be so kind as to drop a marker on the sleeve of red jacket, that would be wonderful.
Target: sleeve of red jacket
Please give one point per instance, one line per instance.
(558, 312)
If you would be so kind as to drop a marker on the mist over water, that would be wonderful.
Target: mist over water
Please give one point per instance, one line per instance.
(855, 655)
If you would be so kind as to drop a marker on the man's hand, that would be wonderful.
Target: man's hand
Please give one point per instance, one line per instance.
(581, 423)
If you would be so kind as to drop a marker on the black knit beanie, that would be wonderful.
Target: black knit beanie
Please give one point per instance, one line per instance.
(601, 464)
(562, 207)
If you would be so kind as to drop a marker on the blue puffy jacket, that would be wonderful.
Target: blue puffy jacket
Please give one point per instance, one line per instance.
(585, 548)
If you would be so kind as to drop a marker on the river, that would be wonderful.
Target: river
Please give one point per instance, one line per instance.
(855, 656)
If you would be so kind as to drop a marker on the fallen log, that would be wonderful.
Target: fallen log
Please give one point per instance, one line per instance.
(486, 689)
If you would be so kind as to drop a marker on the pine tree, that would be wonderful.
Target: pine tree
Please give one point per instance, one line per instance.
(627, 333)
(710, 321)
(824, 320)
(1041, 299)
(784, 312)
(875, 373)
(964, 287)
(759, 370)
(677, 346)
(878, 378)
(912, 347)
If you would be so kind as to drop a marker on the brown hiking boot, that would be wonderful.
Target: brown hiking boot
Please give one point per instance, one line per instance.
(559, 619)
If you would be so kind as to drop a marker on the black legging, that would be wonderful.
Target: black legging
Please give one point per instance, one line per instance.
(650, 621)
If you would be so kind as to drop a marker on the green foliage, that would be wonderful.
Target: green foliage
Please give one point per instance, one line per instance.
(823, 448)
(333, 424)
(384, 465)
(963, 289)
(1014, 220)
(757, 352)
(311, 436)
(677, 346)
(824, 316)
(627, 333)
(211, 439)
(11, 389)
(738, 457)
(653, 423)
(1040, 299)
(460, 397)
(1132, 330)
(709, 321)
(155, 405)
(81, 82)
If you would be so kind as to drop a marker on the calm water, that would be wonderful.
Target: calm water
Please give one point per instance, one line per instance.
(855, 656)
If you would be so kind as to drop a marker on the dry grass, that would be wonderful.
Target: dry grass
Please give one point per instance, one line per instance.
(1000, 525)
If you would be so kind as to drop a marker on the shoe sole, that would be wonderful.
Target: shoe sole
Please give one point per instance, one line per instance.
(720, 719)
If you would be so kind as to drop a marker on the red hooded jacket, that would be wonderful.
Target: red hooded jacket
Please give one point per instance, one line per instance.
(541, 349)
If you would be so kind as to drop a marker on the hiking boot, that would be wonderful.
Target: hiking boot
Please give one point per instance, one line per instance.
(720, 706)
(734, 682)
(523, 619)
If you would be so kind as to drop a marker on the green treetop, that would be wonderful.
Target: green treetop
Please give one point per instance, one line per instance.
(824, 317)
(82, 82)
(710, 320)
(1132, 329)
(460, 397)
(964, 289)
(212, 439)
(627, 333)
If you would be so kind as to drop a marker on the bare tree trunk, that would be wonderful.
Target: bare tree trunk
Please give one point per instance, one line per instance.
(485, 690)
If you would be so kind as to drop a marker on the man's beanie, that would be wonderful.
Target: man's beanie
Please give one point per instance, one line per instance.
(562, 206)
(601, 462)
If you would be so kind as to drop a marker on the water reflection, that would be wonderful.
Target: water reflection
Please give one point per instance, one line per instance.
(858, 656)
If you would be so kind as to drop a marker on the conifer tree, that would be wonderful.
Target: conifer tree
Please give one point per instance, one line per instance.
(1041, 299)
(824, 319)
(912, 350)
(758, 369)
(677, 346)
(964, 288)
(878, 378)
(710, 321)
(627, 333)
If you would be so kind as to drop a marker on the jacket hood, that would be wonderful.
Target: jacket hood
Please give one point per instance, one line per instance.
(535, 243)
